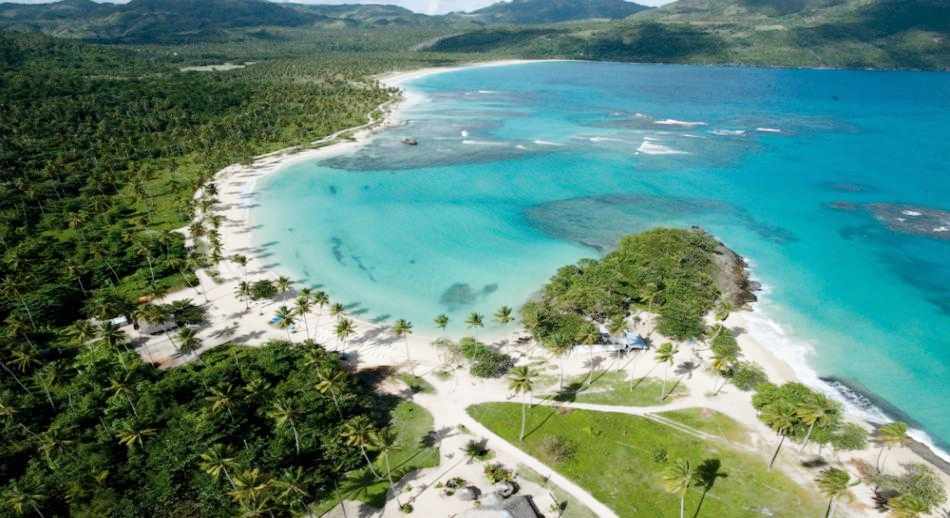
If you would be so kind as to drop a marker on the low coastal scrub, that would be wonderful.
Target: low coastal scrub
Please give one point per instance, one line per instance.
(484, 361)
(623, 459)
(667, 271)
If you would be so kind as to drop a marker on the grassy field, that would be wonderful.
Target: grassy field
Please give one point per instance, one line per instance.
(620, 459)
(710, 421)
(613, 388)
(412, 424)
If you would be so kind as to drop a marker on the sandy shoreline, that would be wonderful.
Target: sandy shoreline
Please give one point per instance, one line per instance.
(230, 322)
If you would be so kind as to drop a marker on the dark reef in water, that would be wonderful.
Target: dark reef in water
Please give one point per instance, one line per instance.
(848, 187)
(600, 221)
(903, 218)
(462, 294)
(913, 219)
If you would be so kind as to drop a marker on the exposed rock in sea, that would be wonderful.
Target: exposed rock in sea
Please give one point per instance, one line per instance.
(732, 276)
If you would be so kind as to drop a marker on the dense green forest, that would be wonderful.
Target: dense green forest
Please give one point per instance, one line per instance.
(101, 151)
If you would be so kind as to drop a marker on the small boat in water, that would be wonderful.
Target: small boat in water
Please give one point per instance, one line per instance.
(410, 141)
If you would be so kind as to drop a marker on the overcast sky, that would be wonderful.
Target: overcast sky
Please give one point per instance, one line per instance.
(421, 6)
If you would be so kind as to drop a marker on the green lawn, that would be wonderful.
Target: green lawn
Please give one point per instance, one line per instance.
(412, 423)
(619, 459)
(416, 384)
(710, 421)
(613, 388)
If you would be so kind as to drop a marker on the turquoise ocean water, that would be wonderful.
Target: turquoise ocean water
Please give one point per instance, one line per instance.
(832, 184)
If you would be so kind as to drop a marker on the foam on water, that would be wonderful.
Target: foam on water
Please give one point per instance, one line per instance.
(648, 147)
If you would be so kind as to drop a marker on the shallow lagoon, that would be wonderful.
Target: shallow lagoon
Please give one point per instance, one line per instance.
(525, 168)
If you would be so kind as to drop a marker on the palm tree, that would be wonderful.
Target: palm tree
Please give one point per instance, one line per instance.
(222, 399)
(336, 309)
(344, 329)
(475, 321)
(240, 260)
(779, 416)
(19, 500)
(814, 413)
(666, 354)
(330, 382)
(285, 320)
(243, 291)
(302, 306)
(908, 506)
(833, 482)
(292, 488)
(284, 414)
(504, 315)
(81, 332)
(283, 284)
(385, 441)
(130, 435)
(521, 381)
(215, 461)
(722, 364)
(889, 436)
(122, 387)
(442, 321)
(677, 479)
(358, 432)
(402, 329)
(111, 334)
(250, 489)
(321, 299)
(189, 343)
(560, 350)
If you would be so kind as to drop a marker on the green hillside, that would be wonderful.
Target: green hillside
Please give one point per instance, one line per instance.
(552, 11)
(817, 33)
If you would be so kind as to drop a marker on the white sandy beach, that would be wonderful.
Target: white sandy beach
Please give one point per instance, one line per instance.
(375, 345)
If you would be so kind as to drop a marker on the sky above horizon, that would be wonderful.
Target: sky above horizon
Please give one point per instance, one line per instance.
(420, 6)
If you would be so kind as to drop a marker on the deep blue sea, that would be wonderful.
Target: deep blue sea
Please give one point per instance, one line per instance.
(834, 184)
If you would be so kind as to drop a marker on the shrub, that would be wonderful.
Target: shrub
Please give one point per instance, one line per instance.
(850, 437)
(486, 362)
(659, 455)
(476, 449)
(496, 473)
(748, 376)
(263, 289)
(558, 449)
(918, 482)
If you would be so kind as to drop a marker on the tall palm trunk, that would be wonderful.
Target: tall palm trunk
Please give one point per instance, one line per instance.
(368, 463)
(524, 417)
(807, 436)
(831, 503)
(389, 476)
(775, 455)
(682, 504)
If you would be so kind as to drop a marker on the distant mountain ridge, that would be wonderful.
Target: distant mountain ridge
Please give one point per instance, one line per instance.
(824, 33)
(814, 33)
(553, 11)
